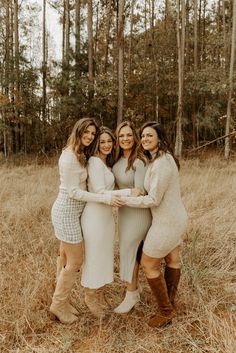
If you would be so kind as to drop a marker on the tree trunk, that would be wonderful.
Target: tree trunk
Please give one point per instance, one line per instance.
(181, 48)
(131, 38)
(90, 49)
(6, 81)
(63, 32)
(67, 35)
(231, 72)
(120, 45)
(108, 25)
(77, 39)
(44, 73)
(195, 65)
(225, 37)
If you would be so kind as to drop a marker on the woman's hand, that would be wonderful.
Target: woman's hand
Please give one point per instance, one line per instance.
(117, 202)
(136, 192)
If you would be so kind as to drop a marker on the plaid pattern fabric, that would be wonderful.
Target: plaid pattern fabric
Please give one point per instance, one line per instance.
(66, 214)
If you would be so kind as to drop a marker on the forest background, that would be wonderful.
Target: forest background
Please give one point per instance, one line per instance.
(169, 61)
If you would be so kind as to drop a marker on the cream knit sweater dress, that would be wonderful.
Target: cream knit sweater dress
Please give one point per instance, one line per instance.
(99, 227)
(169, 217)
(133, 223)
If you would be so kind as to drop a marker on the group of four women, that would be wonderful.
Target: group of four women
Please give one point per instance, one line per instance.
(97, 171)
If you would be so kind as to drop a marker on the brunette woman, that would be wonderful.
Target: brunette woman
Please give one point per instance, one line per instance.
(129, 171)
(169, 220)
(98, 225)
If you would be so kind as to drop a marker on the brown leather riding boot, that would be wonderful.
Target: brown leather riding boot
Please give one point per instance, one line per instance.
(166, 311)
(172, 276)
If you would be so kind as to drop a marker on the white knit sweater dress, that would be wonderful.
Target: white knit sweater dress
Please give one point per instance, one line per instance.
(169, 217)
(99, 227)
(133, 222)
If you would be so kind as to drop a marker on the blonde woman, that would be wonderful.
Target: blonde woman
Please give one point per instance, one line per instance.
(98, 225)
(67, 209)
(129, 171)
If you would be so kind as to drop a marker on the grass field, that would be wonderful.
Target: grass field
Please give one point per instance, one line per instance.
(207, 292)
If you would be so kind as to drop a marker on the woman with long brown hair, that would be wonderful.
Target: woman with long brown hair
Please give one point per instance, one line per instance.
(98, 225)
(67, 210)
(129, 171)
(169, 220)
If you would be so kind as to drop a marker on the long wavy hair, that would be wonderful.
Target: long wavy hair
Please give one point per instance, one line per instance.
(74, 141)
(135, 150)
(163, 146)
(111, 156)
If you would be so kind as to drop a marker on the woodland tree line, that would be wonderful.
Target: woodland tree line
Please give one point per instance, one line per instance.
(172, 61)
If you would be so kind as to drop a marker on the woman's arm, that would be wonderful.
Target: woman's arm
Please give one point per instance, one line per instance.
(160, 177)
(139, 174)
(70, 176)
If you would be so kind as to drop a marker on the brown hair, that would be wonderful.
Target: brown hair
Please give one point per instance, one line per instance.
(164, 145)
(135, 151)
(74, 141)
(111, 157)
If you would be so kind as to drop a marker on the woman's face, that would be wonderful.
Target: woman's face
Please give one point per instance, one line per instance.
(126, 138)
(88, 135)
(105, 144)
(149, 139)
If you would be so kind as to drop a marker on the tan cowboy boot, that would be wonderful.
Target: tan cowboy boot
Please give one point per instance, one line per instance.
(93, 301)
(61, 263)
(60, 305)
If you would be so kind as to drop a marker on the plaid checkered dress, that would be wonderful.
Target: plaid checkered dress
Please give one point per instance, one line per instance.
(66, 214)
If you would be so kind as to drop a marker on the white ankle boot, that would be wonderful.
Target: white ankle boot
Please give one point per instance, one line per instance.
(131, 298)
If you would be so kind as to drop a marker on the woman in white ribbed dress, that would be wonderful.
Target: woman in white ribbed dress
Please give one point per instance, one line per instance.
(66, 212)
(98, 225)
(129, 171)
(169, 220)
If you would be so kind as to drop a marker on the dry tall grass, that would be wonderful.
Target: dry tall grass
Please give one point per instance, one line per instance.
(206, 321)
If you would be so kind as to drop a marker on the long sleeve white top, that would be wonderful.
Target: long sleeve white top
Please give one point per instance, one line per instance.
(101, 179)
(73, 179)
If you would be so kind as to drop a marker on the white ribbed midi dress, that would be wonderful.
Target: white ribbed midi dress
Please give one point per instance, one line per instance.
(99, 227)
(133, 222)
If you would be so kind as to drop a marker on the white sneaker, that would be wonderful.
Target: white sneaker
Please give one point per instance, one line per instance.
(131, 298)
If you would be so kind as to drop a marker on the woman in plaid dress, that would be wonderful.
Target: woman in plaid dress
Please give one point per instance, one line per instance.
(67, 209)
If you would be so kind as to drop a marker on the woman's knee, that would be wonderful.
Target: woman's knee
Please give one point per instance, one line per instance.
(74, 264)
(173, 258)
(150, 265)
(74, 256)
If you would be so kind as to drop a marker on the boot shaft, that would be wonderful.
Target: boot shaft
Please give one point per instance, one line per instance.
(172, 277)
(159, 289)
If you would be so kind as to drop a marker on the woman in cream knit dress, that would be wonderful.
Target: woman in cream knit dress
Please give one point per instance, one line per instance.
(133, 223)
(98, 225)
(169, 220)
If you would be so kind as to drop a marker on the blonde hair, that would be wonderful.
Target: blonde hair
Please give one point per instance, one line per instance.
(74, 141)
(135, 153)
